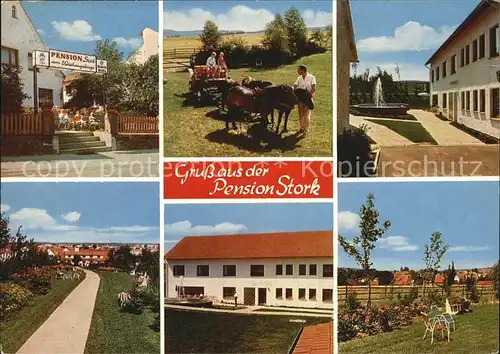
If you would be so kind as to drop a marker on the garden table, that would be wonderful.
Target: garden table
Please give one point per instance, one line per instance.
(437, 317)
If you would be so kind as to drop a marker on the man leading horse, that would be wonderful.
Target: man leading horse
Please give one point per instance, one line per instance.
(307, 82)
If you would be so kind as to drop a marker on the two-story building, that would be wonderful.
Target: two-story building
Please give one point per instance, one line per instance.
(274, 269)
(148, 47)
(465, 71)
(20, 39)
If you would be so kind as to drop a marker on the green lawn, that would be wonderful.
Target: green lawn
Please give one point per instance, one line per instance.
(204, 332)
(200, 131)
(24, 323)
(114, 331)
(476, 333)
(412, 131)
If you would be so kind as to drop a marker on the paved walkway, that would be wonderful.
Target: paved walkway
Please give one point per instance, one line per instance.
(254, 310)
(67, 328)
(442, 131)
(382, 135)
(137, 163)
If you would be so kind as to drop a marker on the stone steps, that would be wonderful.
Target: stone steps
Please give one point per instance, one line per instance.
(81, 143)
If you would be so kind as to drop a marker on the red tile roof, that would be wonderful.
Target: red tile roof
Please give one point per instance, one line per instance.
(317, 339)
(264, 245)
(439, 279)
(402, 278)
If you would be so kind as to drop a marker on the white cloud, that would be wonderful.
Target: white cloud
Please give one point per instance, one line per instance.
(396, 243)
(185, 228)
(412, 36)
(407, 71)
(468, 248)
(128, 43)
(40, 225)
(239, 17)
(79, 30)
(4, 208)
(72, 216)
(348, 221)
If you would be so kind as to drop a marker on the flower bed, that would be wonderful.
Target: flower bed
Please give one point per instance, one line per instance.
(12, 298)
(36, 280)
(363, 321)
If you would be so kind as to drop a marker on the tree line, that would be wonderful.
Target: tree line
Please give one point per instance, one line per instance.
(285, 38)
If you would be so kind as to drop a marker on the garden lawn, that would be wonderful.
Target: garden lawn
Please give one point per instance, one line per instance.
(476, 333)
(200, 131)
(208, 332)
(115, 331)
(16, 331)
(410, 130)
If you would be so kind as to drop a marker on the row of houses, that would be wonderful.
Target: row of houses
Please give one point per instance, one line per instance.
(20, 39)
(273, 269)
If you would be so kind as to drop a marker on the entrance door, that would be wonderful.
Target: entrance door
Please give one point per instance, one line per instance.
(262, 296)
(451, 106)
(249, 296)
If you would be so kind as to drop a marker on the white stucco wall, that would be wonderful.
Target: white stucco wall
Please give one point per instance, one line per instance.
(343, 66)
(478, 75)
(19, 33)
(215, 282)
(148, 48)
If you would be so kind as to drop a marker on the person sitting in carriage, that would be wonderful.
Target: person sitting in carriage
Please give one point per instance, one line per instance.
(221, 65)
(212, 65)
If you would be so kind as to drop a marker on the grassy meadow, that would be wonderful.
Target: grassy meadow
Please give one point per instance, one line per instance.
(114, 330)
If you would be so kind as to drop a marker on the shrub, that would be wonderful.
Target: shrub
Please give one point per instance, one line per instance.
(352, 303)
(12, 298)
(36, 280)
(235, 49)
(434, 297)
(354, 150)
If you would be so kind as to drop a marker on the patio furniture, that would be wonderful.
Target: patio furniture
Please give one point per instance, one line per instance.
(435, 323)
(452, 309)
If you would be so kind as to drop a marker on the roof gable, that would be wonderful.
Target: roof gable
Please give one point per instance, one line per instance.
(304, 244)
(473, 18)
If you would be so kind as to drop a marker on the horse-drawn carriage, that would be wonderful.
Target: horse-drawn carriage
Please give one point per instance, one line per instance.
(204, 82)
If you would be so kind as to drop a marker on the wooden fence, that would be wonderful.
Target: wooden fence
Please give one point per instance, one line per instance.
(21, 124)
(389, 292)
(177, 53)
(137, 125)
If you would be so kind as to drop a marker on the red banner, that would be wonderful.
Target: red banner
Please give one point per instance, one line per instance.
(246, 179)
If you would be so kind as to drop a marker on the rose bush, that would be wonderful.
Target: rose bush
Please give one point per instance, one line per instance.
(36, 280)
(370, 321)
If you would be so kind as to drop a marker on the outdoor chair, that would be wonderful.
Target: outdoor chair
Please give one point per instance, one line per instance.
(448, 315)
(433, 324)
(258, 63)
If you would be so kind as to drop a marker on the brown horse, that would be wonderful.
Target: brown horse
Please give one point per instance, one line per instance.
(304, 97)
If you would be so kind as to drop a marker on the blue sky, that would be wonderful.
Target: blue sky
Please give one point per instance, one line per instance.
(77, 25)
(466, 213)
(240, 15)
(84, 212)
(219, 219)
(421, 26)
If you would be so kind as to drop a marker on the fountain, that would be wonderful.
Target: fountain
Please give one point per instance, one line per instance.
(379, 107)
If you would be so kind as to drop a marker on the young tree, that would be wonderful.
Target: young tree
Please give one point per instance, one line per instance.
(210, 36)
(12, 89)
(296, 30)
(362, 246)
(450, 278)
(141, 82)
(433, 253)
(275, 35)
(76, 259)
(496, 279)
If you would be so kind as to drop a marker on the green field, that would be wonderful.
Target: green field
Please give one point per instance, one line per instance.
(16, 331)
(476, 332)
(116, 331)
(204, 332)
(200, 131)
(412, 131)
